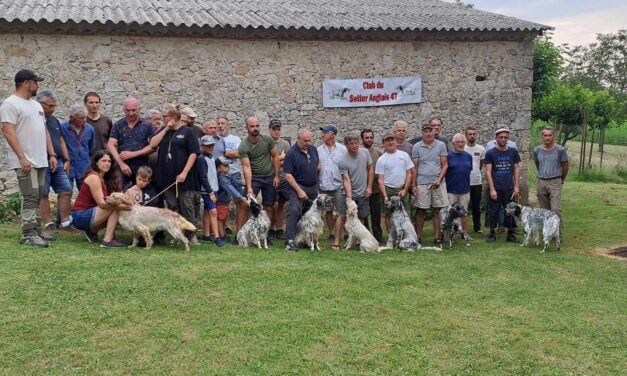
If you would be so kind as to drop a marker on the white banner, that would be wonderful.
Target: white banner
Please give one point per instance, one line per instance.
(371, 92)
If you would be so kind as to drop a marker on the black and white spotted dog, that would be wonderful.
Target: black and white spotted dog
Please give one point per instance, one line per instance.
(402, 234)
(534, 219)
(255, 231)
(310, 226)
(451, 220)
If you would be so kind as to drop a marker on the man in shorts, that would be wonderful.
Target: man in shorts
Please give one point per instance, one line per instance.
(330, 153)
(282, 192)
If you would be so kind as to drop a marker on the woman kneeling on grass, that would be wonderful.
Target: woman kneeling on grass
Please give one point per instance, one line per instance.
(90, 211)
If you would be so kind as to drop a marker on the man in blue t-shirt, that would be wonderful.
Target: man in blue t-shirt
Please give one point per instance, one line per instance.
(458, 177)
(503, 174)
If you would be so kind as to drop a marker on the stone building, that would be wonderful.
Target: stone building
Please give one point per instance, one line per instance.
(270, 57)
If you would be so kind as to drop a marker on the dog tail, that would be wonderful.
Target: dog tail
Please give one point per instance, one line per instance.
(384, 249)
(429, 248)
(184, 224)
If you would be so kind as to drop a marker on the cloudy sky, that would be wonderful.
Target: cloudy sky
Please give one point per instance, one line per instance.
(575, 21)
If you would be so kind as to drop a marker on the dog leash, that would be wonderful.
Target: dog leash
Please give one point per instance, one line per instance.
(160, 193)
(517, 200)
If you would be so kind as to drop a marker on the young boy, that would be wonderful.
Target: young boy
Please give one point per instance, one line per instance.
(229, 187)
(142, 193)
(208, 177)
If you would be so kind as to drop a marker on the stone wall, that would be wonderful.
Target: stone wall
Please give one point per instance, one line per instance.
(480, 83)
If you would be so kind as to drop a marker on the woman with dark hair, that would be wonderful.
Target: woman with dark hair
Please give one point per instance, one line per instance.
(90, 211)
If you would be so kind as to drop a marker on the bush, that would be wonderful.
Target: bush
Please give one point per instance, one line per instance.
(615, 175)
(11, 208)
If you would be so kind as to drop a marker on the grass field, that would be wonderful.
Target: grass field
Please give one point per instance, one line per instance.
(613, 156)
(486, 309)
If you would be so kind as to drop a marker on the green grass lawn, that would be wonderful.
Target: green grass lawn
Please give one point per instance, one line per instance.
(486, 309)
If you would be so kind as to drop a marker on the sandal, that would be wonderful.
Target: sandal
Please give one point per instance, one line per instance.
(335, 247)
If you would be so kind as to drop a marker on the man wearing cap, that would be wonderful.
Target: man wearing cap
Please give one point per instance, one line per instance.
(502, 173)
(430, 161)
(367, 139)
(24, 127)
(282, 193)
(437, 124)
(330, 154)
(394, 175)
(301, 168)
(129, 141)
(260, 164)
(188, 116)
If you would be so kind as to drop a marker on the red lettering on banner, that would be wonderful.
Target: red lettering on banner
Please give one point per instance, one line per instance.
(368, 85)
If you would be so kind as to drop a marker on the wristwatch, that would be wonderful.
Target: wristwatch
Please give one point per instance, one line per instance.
(52, 155)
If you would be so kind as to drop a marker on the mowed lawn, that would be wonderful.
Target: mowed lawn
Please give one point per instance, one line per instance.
(486, 309)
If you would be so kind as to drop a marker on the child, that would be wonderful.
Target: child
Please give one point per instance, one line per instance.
(228, 188)
(208, 177)
(142, 193)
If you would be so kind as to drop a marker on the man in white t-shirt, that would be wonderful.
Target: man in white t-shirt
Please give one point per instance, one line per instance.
(24, 127)
(478, 154)
(394, 174)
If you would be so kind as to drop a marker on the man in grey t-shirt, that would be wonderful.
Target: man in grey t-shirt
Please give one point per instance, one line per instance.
(552, 163)
(357, 175)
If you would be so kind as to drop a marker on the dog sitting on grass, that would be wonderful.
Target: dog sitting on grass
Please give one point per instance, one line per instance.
(255, 230)
(142, 220)
(310, 226)
(358, 232)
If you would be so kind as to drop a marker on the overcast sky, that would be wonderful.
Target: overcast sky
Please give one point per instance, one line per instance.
(575, 21)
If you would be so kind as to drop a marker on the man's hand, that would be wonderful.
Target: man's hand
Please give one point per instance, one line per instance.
(125, 169)
(26, 166)
(493, 195)
(302, 195)
(66, 167)
(414, 190)
(436, 183)
(180, 178)
(386, 199)
(516, 191)
(402, 193)
(127, 155)
(276, 182)
(250, 191)
(52, 162)
(368, 192)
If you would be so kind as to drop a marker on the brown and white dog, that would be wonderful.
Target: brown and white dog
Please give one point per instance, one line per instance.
(142, 220)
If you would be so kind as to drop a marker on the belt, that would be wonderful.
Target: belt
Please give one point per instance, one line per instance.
(556, 177)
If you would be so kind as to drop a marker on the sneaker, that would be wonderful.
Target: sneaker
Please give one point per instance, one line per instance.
(468, 238)
(511, 238)
(279, 234)
(91, 236)
(69, 229)
(34, 241)
(290, 246)
(193, 239)
(114, 243)
(225, 239)
(228, 231)
(207, 239)
(219, 242)
(331, 237)
(491, 238)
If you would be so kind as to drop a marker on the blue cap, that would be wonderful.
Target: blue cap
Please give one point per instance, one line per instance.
(207, 140)
(329, 128)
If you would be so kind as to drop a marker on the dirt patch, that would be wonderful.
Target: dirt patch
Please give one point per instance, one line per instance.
(619, 252)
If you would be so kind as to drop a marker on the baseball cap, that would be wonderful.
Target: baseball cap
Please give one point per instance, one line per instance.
(26, 75)
(189, 112)
(222, 161)
(275, 123)
(329, 128)
(501, 130)
(388, 136)
(207, 140)
(427, 126)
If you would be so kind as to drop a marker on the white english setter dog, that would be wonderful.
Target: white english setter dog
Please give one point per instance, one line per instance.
(451, 220)
(310, 226)
(255, 230)
(142, 220)
(402, 234)
(534, 219)
(358, 232)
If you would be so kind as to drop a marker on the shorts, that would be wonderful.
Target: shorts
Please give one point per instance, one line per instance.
(58, 181)
(462, 198)
(82, 219)
(209, 205)
(338, 202)
(223, 212)
(363, 206)
(391, 192)
(264, 184)
(431, 198)
(283, 193)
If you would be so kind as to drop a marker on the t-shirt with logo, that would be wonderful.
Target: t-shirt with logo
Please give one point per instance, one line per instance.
(502, 166)
(30, 129)
(478, 154)
(259, 155)
(357, 170)
(174, 151)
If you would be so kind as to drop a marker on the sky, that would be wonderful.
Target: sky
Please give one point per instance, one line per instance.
(576, 22)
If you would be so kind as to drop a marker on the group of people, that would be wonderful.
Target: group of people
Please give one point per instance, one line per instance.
(166, 159)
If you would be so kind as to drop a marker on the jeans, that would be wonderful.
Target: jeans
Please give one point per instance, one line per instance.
(295, 210)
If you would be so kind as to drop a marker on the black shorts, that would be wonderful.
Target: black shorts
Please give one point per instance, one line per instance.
(264, 184)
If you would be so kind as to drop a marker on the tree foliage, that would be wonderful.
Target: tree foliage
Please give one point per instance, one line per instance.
(547, 66)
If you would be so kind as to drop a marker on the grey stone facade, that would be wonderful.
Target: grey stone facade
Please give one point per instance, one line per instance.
(481, 83)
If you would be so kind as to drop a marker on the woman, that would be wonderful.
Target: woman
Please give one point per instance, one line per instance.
(178, 150)
(90, 211)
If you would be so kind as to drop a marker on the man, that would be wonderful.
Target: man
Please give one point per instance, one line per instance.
(260, 164)
(154, 118)
(394, 175)
(330, 154)
(80, 139)
(129, 141)
(301, 168)
(367, 139)
(189, 116)
(400, 137)
(357, 176)
(211, 129)
(231, 145)
(437, 124)
(102, 124)
(57, 179)
(24, 127)
(491, 145)
(476, 185)
(430, 161)
(459, 167)
(502, 173)
(552, 163)
(282, 192)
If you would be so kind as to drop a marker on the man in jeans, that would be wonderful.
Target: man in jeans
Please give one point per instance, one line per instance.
(503, 174)
(477, 152)
(24, 127)
(552, 163)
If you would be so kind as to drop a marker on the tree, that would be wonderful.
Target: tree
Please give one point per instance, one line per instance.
(547, 66)
(602, 112)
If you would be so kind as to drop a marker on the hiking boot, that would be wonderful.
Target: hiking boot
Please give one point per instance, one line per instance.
(91, 236)
(279, 234)
(114, 243)
(46, 236)
(34, 241)
(219, 242)
(491, 238)
(511, 238)
(290, 246)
